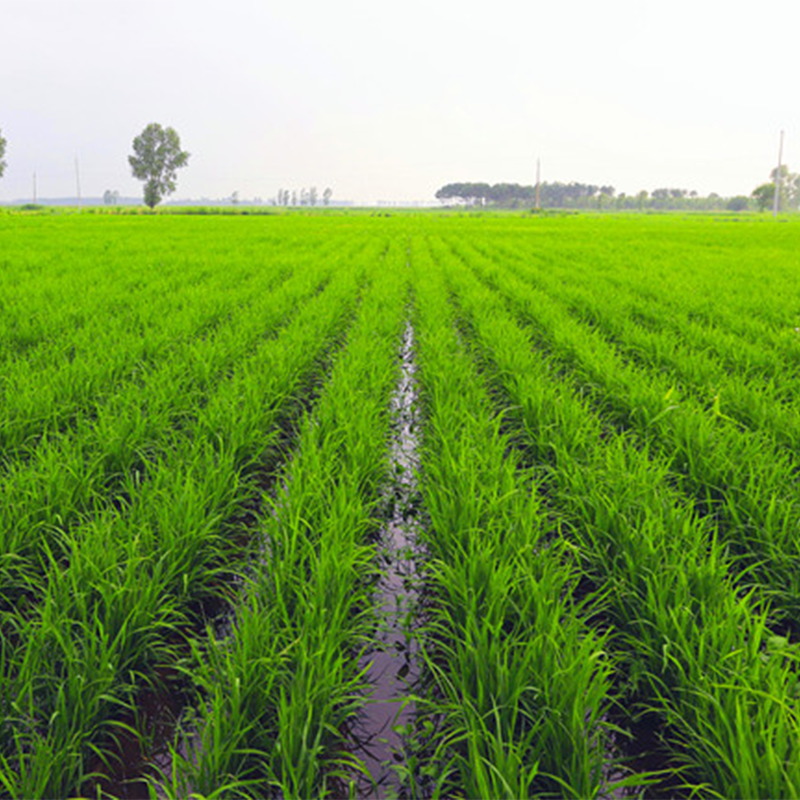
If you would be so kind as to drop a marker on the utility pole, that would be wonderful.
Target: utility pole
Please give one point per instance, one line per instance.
(78, 182)
(776, 206)
(538, 183)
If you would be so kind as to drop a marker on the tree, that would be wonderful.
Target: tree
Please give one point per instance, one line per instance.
(2, 154)
(157, 156)
(605, 191)
(326, 196)
(764, 196)
(790, 187)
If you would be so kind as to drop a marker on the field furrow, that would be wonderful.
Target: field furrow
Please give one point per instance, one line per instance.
(282, 689)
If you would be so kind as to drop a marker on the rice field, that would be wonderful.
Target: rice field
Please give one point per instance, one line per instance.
(419, 505)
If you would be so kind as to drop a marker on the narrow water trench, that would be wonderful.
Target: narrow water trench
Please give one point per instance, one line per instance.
(391, 664)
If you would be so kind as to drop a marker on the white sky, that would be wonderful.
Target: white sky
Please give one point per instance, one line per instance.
(391, 100)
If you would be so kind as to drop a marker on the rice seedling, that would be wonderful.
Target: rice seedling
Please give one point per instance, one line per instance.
(738, 475)
(172, 534)
(195, 414)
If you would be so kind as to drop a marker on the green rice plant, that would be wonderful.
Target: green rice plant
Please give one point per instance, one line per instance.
(277, 726)
(738, 475)
(699, 647)
(518, 679)
(76, 476)
(152, 371)
(174, 536)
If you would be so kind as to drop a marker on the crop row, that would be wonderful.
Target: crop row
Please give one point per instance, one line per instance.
(737, 475)
(109, 598)
(748, 375)
(519, 680)
(695, 643)
(283, 684)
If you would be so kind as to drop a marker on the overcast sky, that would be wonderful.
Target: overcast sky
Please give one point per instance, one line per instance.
(391, 100)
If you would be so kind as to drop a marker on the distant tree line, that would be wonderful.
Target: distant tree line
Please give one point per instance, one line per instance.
(514, 195)
(590, 196)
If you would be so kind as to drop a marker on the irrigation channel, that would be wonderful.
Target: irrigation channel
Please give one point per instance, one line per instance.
(143, 760)
(391, 665)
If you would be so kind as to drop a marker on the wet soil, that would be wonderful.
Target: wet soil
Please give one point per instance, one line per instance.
(644, 753)
(133, 757)
(391, 665)
(142, 743)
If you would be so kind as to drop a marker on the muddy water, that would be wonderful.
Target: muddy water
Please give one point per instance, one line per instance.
(643, 754)
(392, 664)
(158, 711)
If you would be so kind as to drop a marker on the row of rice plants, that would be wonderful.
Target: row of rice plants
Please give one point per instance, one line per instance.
(738, 475)
(63, 275)
(120, 588)
(753, 380)
(117, 337)
(692, 279)
(283, 685)
(756, 401)
(520, 682)
(695, 647)
(98, 465)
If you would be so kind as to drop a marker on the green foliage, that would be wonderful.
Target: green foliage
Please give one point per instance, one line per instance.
(157, 156)
(764, 196)
(789, 198)
(697, 639)
(517, 676)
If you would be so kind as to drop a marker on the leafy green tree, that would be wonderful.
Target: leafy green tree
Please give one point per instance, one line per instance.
(764, 196)
(2, 154)
(157, 156)
(790, 187)
(605, 191)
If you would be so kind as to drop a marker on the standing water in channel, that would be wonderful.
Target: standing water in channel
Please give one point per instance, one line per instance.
(392, 662)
